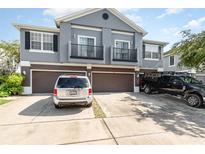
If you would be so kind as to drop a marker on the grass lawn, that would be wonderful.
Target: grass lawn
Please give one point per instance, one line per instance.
(98, 112)
(3, 101)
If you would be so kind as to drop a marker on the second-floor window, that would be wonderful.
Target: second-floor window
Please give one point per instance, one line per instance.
(36, 41)
(151, 52)
(86, 46)
(171, 61)
(48, 42)
(122, 49)
(41, 41)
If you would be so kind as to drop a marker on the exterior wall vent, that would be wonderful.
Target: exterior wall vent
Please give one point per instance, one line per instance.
(105, 16)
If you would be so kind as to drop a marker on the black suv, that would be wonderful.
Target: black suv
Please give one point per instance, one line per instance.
(192, 90)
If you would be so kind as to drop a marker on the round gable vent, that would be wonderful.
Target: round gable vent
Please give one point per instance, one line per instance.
(105, 16)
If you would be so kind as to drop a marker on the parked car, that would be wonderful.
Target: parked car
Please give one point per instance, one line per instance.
(72, 90)
(192, 90)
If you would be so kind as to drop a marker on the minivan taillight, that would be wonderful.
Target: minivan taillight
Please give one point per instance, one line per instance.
(55, 92)
(90, 91)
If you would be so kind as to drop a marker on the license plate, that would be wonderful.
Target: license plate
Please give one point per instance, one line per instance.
(72, 92)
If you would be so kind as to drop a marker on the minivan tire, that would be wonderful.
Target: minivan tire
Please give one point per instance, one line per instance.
(147, 89)
(57, 106)
(89, 105)
(194, 100)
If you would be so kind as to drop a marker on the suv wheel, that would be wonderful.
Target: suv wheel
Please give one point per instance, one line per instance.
(194, 100)
(89, 105)
(57, 106)
(147, 89)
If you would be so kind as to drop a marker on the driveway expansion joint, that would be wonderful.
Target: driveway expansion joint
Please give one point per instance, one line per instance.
(143, 134)
(70, 143)
(110, 132)
(39, 122)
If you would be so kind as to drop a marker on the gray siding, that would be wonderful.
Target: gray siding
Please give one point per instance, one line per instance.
(96, 20)
(176, 68)
(65, 38)
(104, 38)
(123, 37)
(74, 39)
(75, 32)
(27, 55)
(107, 42)
(129, 38)
(154, 64)
(138, 46)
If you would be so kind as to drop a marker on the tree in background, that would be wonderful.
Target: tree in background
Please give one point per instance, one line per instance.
(9, 56)
(191, 50)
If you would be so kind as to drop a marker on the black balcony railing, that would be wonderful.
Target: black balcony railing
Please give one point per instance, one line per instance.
(127, 55)
(86, 51)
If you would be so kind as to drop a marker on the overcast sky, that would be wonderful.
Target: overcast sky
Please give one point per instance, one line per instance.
(161, 24)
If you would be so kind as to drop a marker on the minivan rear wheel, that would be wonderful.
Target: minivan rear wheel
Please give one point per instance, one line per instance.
(89, 105)
(57, 106)
(194, 100)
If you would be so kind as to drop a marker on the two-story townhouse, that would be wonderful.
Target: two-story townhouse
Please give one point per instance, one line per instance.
(100, 43)
(171, 63)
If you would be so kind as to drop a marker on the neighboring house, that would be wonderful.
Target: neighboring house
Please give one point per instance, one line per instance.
(170, 63)
(100, 43)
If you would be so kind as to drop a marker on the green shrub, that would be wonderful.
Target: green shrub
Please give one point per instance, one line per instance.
(11, 84)
(4, 94)
(3, 79)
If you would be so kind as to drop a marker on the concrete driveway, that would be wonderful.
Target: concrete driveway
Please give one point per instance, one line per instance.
(131, 119)
(34, 120)
(152, 119)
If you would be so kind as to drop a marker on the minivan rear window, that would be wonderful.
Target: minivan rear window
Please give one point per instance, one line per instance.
(72, 83)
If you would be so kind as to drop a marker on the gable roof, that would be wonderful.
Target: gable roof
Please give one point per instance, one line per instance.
(85, 12)
(38, 28)
(156, 42)
(168, 53)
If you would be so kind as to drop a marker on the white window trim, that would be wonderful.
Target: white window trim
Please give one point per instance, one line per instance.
(84, 36)
(41, 51)
(123, 33)
(116, 40)
(86, 28)
(169, 62)
(122, 41)
(153, 59)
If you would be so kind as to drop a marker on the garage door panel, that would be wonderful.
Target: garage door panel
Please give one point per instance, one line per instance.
(109, 82)
(43, 82)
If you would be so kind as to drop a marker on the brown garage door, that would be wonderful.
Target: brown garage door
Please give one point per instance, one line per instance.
(107, 82)
(43, 82)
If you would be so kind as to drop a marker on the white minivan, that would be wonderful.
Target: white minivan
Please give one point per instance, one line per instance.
(72, 90)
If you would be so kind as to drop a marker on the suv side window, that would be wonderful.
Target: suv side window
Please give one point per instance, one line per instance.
(165, 79)
(175, 79)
